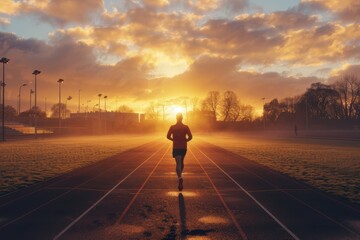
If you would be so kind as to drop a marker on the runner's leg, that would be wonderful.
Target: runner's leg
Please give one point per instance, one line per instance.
(179, 167)
(182, 163)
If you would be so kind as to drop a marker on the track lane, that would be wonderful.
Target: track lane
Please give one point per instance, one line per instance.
(65, 199)
(308, 215)
(109, 192)
(77, 175)
(160, 211)
(150, 207)
(239, 228)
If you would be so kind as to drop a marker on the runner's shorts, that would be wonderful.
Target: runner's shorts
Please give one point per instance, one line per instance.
(177, 152)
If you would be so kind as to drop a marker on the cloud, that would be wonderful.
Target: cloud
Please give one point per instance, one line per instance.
(347, 10)
(204, 5)
(344, 70)
(4, 21)
(156, 3)
(290, 37)
(208, 74)
(74, 62)
(9, 7)
(62, 12)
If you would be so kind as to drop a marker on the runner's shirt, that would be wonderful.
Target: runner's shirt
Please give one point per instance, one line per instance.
(179, 132)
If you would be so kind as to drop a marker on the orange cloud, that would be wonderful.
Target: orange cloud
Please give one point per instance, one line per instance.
(9, 7)
(204, 5)
(156, 3)
(348, 10)
(61, 12)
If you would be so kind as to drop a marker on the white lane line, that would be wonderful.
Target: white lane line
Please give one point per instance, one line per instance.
(55, 198)
(253, 198)
(86, 167)
(102, 198)
(301, 201)
(140, 189)
(237, 225)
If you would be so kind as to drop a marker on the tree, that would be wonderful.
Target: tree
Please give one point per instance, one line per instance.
(63, 110)
(211, 103)
(194, 103)
(246, 113)
(321, 102)
(287, 105)
(152, 112)
(272, 110)
(230, 107)
(125, 109)
(10, 112)
(32, 112)
(348, 88)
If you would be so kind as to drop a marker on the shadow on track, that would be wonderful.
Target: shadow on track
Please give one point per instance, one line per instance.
(184, 231)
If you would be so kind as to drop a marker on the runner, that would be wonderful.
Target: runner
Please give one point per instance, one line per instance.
(180, 134)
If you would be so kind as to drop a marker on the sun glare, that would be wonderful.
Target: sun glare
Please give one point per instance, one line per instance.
(177, 109)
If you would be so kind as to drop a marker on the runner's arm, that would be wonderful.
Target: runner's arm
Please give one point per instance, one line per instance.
(189, 134)
(169, 134)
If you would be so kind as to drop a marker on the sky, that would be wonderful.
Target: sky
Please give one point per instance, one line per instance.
(170, 51)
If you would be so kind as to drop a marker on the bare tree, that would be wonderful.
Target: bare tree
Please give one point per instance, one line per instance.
(152, 112)
(230, 107)
(246, 113)
(348, 88)
(63, 110)
(194, 103)
(211, 103)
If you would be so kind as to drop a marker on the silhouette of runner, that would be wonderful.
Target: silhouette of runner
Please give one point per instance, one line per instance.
(179, 134)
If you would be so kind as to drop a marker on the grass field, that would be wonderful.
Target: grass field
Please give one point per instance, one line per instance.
(26, 162)
(331, 165)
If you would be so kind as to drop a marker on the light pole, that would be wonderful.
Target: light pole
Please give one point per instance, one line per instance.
(99, 95)
(105, 97)
(31, 93)
(36, 72)
(19, 106)
(60, 81)
(67, 99)
(3, 60)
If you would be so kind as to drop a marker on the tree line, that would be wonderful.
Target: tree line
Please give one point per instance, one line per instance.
(337, 102)
(319, 104)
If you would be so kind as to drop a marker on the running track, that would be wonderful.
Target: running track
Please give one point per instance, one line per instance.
(133, 195)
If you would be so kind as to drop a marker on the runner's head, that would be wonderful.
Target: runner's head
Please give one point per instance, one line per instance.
(179, 117)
